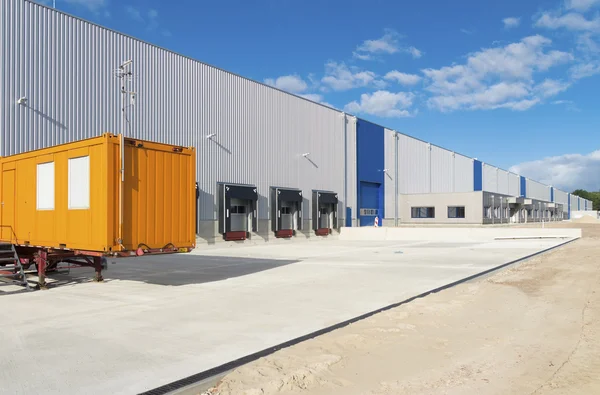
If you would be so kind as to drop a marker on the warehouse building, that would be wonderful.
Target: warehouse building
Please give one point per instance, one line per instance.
(270, 164)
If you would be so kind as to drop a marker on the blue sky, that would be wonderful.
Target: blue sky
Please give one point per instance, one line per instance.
(513, 83)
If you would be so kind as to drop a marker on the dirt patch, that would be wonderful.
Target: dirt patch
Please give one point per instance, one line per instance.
(530, 329)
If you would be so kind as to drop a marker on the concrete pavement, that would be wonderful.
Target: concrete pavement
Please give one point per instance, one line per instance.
(157, 320)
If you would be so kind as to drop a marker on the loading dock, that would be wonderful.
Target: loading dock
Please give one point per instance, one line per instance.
(325, 205)
(286, 211)
(237, 211)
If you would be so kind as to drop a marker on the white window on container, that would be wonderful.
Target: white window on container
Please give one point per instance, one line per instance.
(45, 186)
(79, 183)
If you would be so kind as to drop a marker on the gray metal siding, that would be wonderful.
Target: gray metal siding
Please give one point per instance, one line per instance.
(561, 197)
(351, 169)
(442, 170)
(537, 190)
(514, 184)
(65, 67)
(490, 178)
(390, 177)
(503, 182)
(463, 173)
(413, 165)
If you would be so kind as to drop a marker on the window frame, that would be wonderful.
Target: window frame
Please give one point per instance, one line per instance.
(429, 212)
(457, 210)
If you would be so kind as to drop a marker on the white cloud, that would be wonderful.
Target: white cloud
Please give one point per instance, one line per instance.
(134, 13)
(291, 83)
(570, 21)
(581, 5)
(511, 22)
(340, 77)
(566, 172)
(550, 88)
(416, 53)
(466, 31)
(584, 70)
(494, 78)
(402, 78)
(569, 104)
(388, 44)
(383, 104)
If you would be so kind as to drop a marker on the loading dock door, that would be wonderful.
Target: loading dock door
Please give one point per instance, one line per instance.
(325, 205)
(237, 210)
(286, 214)
(369, 203)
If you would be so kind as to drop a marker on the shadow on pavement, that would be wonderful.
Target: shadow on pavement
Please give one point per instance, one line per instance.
(173, 270)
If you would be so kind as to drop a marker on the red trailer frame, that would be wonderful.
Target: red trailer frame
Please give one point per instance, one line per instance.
(47, 260)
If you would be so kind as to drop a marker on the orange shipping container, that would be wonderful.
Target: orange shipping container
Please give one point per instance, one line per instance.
(68, 196)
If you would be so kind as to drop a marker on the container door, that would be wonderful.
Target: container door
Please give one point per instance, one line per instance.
(8, 205)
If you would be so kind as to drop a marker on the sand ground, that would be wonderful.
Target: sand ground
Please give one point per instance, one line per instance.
(530, 329)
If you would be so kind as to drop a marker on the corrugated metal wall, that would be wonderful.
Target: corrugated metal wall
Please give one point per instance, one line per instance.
(514, 187)
(490, 178)
(562, 198)
(503, 185)
(390, 177)
(463, 173)
(351, 168)
(413, 165)
(442, 170)
(426, 168)
(65, 67)
(537, 190)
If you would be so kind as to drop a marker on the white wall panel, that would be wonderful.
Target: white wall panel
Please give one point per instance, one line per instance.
(514, 184)
(561, 197)
(490, 178)
(463, 173)
(442, 170)
(390, 177)
(351, 168)
(573, 203)
(503, 184)
(537, 190)
(413, 165)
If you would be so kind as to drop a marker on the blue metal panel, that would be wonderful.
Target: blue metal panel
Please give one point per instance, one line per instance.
(370, 159)
(551, 194)
(569, 204)
(578, 204)
(523, 186)
(477, 175)
(349, 217)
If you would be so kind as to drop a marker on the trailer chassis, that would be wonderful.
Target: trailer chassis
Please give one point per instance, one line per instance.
(47, 260)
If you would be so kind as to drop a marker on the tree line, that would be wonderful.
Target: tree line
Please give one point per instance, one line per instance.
(594, 197)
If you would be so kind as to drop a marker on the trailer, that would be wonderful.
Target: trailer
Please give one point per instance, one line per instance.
(77, 204)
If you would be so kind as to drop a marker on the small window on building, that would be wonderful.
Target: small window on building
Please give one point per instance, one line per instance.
(79, 183)
(45, 186)
(238, 209)
(456, 212)
(423, 212)
(286, 210)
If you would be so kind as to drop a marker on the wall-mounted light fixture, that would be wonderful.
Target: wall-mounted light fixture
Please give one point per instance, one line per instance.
(306, 154)
(22, 100)
(210, 136)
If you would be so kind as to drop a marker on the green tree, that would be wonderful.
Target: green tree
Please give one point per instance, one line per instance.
(594, 197)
